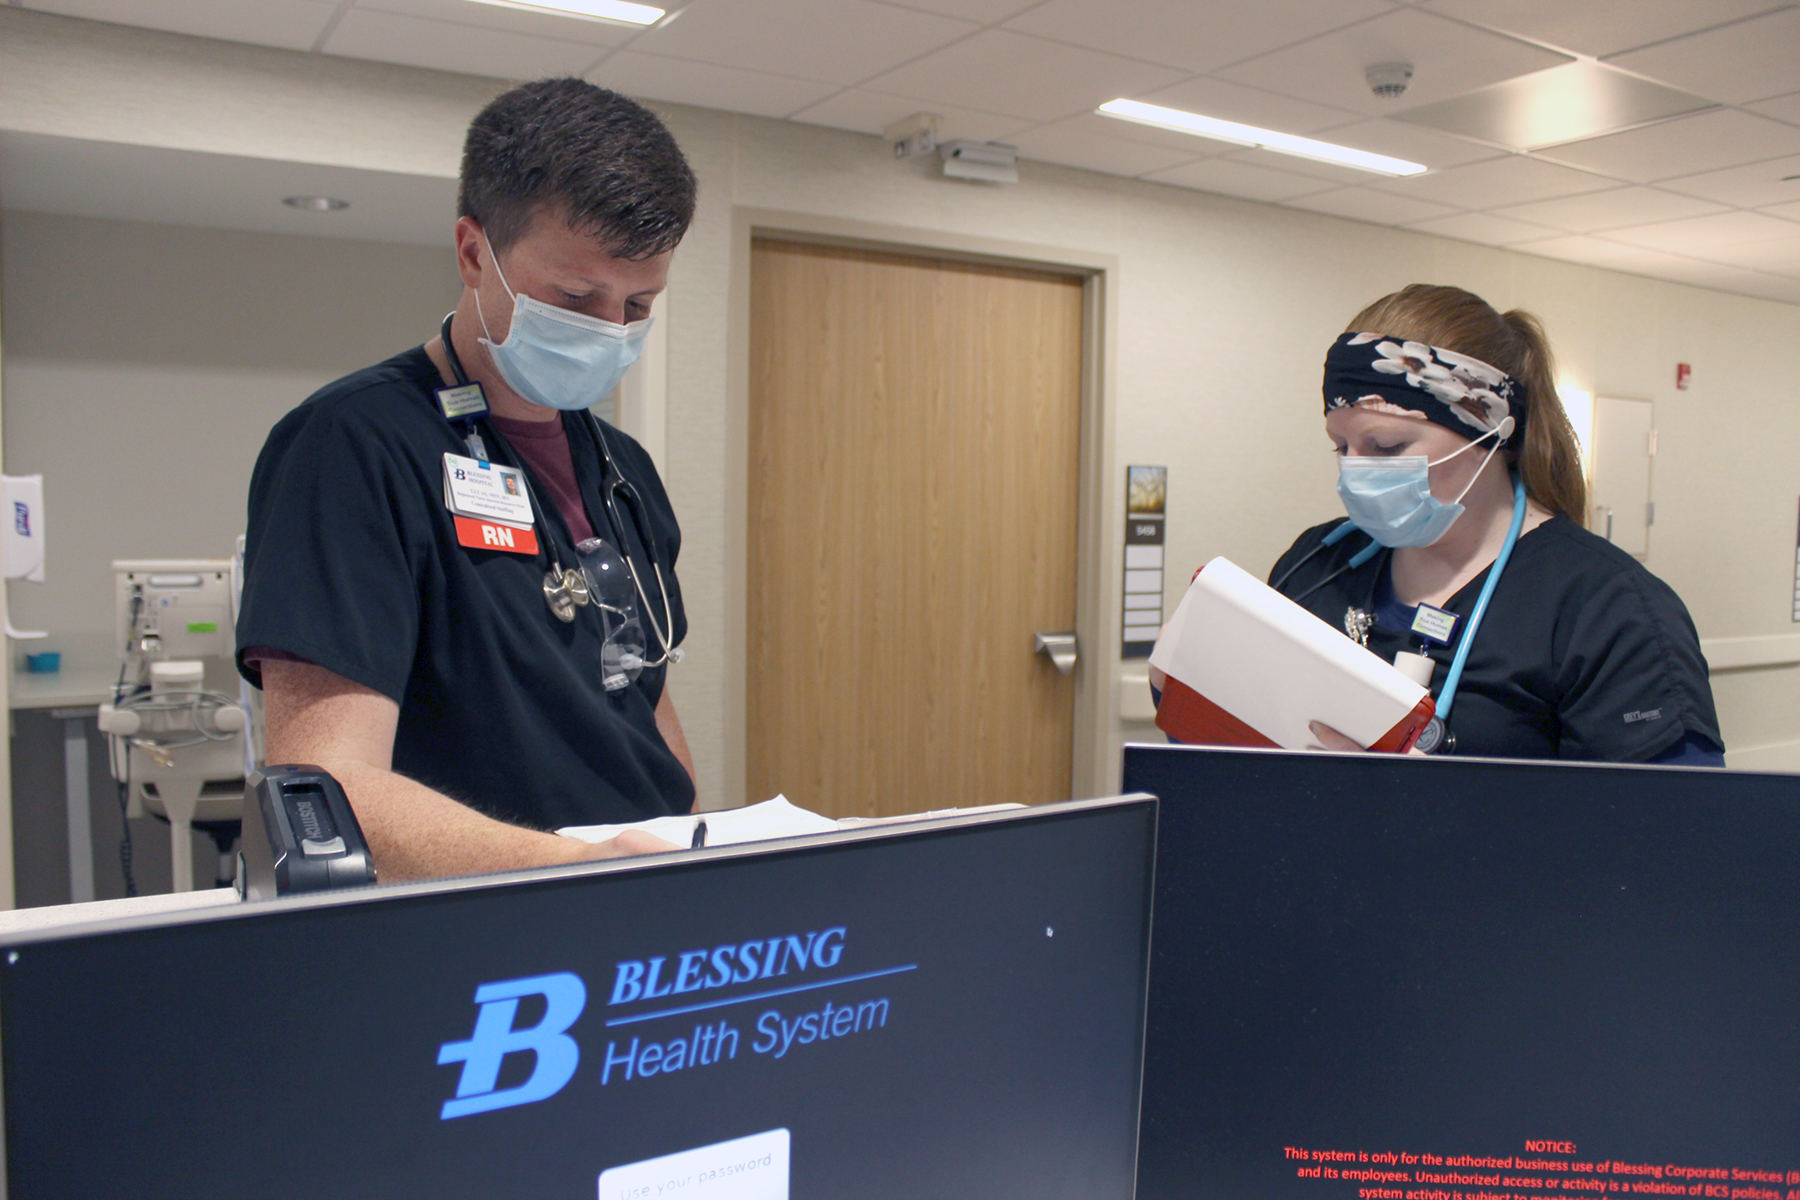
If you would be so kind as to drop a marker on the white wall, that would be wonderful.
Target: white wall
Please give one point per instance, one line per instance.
(145, 365)
(1225, 310)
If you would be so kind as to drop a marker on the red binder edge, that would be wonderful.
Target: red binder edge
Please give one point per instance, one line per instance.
(1191, 718)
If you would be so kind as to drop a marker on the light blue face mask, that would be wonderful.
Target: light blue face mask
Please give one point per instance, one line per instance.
(557, 358)
(1390, 498)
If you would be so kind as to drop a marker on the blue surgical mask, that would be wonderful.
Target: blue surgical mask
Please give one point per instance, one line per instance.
(1390, 498)
(557, 358)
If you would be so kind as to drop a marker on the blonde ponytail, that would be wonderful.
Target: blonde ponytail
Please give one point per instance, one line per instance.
(1448, 317)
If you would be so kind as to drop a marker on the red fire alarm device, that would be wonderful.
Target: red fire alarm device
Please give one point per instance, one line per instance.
(1683, 372)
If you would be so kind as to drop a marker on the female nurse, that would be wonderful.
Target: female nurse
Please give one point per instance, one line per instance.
(1464, 560)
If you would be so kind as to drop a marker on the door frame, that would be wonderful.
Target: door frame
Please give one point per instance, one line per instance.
(1099, 536)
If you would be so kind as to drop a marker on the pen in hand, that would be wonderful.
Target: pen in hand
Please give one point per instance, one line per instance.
(699, 834)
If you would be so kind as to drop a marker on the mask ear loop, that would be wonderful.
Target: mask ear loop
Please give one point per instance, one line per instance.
(481, 316)
(1499, 433)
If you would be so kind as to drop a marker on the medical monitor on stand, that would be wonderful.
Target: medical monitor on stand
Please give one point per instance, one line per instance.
(953, 1008)
(1382, 977)
(177, 726)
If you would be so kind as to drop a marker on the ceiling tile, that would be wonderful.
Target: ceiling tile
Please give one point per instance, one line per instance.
(1363, 204)
(510, 20)
(1480, 227)
(1246, 105)
(1706, 274)
(872, 112)
(1782, 108)
(289, 24)
(1611, 255)
(652, 77)
(1768, 287)
(985, 11)
(1599, 27)
(415, 42)
(1385, 135)
(1004, 72)
(1699, 235)
(835, 41)
(1194, 37)
(1709, 140)
(1547, 108)
(1752, 186)
(1448, 58)
(1514, 179)
(1276, 161)
(1749, 60)
(1789, 211)
(1114, 156)
(1780, 256)
(1236, 179)
(1613, 209)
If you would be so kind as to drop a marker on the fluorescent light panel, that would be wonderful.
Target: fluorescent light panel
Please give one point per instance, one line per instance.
(617, 12)
(1250, 135)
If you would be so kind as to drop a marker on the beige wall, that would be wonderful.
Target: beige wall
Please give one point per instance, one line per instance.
(1224, 309)
(145, 364)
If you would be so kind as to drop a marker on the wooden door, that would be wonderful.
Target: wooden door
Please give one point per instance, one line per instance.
(914, 444)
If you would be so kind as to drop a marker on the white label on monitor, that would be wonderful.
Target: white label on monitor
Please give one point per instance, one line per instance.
(746, 1168)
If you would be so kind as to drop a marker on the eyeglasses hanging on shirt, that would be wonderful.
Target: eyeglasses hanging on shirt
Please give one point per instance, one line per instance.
(599, 575)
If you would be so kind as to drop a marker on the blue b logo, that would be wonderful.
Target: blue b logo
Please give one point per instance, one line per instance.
(494, 1038)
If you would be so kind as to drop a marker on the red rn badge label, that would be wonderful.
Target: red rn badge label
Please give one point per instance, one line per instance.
(489, 535)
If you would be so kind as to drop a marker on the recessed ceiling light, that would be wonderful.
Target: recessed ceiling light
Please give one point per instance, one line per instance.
(617, 12)
(1250, 135)
(316, 203)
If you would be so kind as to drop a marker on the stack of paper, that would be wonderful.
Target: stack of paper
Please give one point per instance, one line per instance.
(755, 823)
(1249, 667)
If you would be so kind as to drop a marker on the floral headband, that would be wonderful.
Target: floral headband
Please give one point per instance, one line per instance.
(1463, 394)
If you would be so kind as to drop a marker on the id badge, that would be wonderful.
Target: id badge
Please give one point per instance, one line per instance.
(486, 491)
(1434, 624)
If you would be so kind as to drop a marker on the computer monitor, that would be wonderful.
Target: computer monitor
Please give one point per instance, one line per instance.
(951, 1008)
(1382, 977)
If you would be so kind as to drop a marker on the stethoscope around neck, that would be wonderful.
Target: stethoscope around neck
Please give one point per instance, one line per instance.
(565, 588)
(1436, 739)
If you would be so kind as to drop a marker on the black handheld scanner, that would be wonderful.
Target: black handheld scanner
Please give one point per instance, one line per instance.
(300, 835)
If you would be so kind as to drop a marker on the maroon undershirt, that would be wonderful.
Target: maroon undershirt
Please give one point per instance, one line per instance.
(543, 449)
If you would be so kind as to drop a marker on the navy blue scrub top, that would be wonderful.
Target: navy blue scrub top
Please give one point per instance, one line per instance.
(1583, 653)
(352, 563)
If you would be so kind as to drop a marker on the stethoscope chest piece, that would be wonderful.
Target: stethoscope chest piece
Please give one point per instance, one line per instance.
(564, 591)
(1436, 739)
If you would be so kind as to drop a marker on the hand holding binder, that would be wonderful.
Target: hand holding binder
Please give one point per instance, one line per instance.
(1246, 666)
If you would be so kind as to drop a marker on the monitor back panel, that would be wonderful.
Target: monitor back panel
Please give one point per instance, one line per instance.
(947, 1013)
(1409, 979)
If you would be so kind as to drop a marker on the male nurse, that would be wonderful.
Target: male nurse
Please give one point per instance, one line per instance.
(460, 594)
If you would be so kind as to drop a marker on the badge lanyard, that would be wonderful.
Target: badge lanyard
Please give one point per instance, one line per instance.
(565, 589)
(463, 405)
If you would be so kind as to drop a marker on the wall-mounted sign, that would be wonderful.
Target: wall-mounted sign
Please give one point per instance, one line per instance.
(1146, 501)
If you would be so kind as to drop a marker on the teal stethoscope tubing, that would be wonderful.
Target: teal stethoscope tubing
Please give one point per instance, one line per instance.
(1447, 695)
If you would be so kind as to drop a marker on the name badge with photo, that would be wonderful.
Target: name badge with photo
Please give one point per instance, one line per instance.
(485, 491)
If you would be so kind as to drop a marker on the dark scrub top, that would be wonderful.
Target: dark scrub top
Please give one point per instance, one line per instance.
(1583, 654)
(352, 563)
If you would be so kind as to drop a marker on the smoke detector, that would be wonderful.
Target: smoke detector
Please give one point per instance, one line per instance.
(1388, 80)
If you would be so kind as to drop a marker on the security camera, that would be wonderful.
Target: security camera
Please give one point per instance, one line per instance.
(1389, 79)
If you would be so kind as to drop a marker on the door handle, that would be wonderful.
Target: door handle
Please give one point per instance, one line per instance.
(1059, 646)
